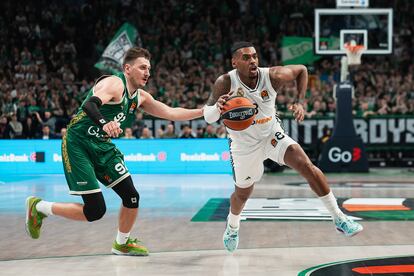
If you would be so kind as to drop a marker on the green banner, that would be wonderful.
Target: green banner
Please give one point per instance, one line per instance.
(298, 50)
(111, 59)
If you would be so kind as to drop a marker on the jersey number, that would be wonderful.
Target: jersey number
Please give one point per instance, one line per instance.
(120, 117)
(120, 168)
(279, 135)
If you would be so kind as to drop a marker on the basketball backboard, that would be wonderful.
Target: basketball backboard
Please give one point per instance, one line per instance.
(372, 28)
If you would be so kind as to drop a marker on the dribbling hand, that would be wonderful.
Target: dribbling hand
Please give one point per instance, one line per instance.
(298, 111)
(222, 100)
(112, 129)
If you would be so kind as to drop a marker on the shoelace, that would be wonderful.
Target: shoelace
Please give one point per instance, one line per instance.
(232, 233)
(348, 224)
(133, 241)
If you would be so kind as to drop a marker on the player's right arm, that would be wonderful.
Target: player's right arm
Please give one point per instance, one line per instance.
(220, 94)
(110, 88)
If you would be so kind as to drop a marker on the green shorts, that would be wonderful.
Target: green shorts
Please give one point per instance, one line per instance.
(86, 160)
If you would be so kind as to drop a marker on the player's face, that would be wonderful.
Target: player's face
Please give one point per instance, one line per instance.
(138, 72)
(246, 62)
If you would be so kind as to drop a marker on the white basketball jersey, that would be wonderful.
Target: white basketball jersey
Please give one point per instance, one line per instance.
(265, 97)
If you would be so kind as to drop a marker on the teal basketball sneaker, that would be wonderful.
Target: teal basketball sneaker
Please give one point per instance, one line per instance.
(347, 226)
(132, 247)
(33, 217)
(231, 238)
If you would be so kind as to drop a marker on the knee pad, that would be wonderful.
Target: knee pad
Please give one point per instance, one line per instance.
(127, 192)
(94, 208)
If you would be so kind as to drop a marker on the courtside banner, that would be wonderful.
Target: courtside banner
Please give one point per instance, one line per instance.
(158, 156)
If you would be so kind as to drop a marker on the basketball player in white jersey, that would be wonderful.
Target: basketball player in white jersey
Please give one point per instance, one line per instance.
(265, 138)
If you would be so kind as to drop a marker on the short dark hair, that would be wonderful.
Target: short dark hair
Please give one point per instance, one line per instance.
(134, 53)
(238, 45)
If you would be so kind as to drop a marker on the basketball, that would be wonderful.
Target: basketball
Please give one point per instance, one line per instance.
(238, 113)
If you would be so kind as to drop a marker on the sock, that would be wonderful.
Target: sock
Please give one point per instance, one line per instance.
(122, 238)
(45, 207)
(330, 203)
(233, 220)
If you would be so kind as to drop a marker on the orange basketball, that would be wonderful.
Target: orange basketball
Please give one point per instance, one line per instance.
(238, 113)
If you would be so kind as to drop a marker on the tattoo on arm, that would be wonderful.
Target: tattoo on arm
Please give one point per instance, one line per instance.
(221, 86)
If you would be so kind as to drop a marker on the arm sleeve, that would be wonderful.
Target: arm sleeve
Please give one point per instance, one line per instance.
(91, 108)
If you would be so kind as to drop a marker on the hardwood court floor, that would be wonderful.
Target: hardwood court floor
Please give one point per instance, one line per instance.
(181, 247)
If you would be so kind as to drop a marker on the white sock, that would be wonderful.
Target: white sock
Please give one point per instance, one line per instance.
(234, 220)
(45, 207)
(122, 238)
(330, 203)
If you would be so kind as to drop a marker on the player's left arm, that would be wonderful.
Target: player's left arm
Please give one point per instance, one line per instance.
(161, 110)
(279, 75)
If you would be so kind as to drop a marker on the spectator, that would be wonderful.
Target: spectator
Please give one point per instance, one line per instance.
(47, 120)
(46, 133)
(15, 128)
(331, 108)
(200, 131)
(146, 133)
(169, 132)
(30, 128)
(186, 132)
(210, 132)
(128, 134)
(138, 124)
(4, 128)
(160, 131)
(63, 132)
(221, 132)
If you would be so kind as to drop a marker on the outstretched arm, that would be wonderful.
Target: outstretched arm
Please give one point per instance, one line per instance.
(161, 110)
(220, 94)
(279, 75)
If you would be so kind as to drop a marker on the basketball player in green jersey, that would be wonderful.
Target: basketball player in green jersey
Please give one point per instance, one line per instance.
(89, 154)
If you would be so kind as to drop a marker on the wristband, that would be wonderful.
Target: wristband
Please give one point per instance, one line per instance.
(211, 113)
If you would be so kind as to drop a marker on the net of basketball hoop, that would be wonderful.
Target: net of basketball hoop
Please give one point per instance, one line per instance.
(353, 52)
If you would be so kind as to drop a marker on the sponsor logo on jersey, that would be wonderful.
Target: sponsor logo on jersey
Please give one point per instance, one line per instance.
(240, 92)
(265, 96)
(108, 178)
(262, 120)
(95, 131)
(273, 142)
(132, 108)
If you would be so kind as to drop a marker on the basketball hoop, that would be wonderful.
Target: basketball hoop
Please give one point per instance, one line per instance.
(353, 52)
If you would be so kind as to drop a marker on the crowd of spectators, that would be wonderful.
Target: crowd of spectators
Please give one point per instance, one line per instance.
(48, 48)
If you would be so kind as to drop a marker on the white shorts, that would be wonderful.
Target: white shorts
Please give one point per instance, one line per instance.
(247, 160)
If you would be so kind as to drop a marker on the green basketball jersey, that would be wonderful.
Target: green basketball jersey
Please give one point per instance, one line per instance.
(122, 112)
